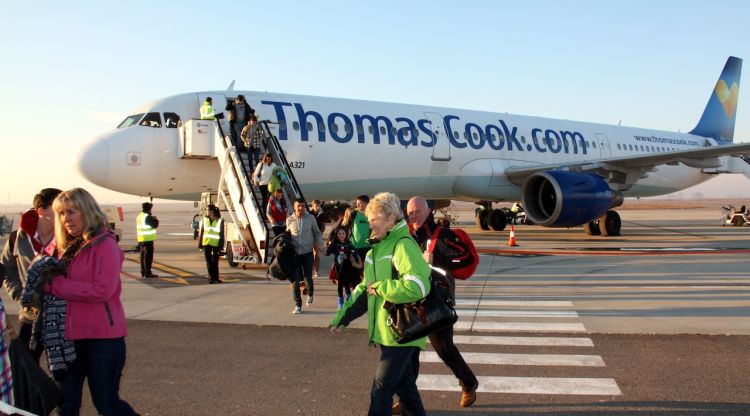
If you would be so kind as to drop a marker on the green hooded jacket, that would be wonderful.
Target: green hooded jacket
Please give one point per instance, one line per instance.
(397, 249)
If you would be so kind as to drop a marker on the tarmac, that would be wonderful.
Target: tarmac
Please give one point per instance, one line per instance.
(564, 323)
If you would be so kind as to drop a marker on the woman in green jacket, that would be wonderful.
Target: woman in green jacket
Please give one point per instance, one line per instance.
(392, 248)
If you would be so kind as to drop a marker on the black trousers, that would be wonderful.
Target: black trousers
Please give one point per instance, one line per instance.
(147, 257)
(212, 262)
(442, 342)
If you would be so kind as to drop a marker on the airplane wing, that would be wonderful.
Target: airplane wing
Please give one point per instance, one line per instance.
(623, 172)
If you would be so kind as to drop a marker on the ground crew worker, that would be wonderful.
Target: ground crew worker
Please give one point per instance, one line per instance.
(146, 225)
(207, 110)
(211, 240)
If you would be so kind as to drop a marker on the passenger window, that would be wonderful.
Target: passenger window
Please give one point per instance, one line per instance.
(321, 127)
(348, 128)
(309, 126)
(393, 130)
(455, 135)
(360, 129)
(335, 128)
(523, 139)
(618, 146)
(171, 120)
(371, 130)
(151, 120)
(466, 136)
(295, 125)
(474, 135)
(382, 130)
(593, 144)
(130, 121)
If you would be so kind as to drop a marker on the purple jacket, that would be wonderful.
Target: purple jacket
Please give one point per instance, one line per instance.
(92, 289)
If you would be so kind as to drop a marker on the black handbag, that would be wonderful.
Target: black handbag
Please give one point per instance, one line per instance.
(434, 312)
(33, 390)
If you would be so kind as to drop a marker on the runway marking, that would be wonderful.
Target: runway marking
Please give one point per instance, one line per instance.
(177, 280)
(165, 268)
(526, 341)
(525, 385)
(179, 234)
(516, 326)
(631, 252)
(517, 314)
(569, 360)
(536, 303)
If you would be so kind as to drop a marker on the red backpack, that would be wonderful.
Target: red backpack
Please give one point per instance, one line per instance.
(467, 261)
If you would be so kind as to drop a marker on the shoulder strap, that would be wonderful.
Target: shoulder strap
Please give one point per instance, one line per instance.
(434, 239)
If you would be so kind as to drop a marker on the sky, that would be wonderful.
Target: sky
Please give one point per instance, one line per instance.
(73, 70)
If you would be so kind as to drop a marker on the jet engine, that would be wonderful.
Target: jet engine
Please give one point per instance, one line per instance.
(564, 199)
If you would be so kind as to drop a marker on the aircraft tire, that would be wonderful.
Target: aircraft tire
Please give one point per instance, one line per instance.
(497, 219)
(609, 224)
(591, 228)
(230, 256)
(737, 221)
(481, 219)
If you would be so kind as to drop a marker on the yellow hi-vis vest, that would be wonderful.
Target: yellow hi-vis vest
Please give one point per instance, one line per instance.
(207, 111)
(212, 231)
(145, 232)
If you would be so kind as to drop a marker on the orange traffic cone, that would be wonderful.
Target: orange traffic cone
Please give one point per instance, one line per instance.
(512, 237)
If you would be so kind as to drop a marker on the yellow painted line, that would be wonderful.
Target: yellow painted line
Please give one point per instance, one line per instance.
(177, 280)
(165, 268)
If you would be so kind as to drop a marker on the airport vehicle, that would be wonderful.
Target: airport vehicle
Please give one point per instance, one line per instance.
(115, 218)
(732, 216)
(566, 173)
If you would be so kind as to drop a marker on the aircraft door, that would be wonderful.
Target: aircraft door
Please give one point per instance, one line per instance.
(603, 144)
(441, 150)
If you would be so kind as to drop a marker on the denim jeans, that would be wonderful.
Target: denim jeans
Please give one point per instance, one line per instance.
(302, 265)
(102, 361)
(442, 343)
(394, 375)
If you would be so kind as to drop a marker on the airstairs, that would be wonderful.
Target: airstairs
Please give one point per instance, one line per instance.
(249, 239)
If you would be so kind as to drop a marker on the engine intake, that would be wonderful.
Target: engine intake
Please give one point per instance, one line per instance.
(558, 198)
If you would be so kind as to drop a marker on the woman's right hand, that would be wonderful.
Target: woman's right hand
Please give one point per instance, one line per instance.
(336, 330)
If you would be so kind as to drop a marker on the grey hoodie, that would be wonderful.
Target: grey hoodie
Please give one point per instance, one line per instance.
(305, 233)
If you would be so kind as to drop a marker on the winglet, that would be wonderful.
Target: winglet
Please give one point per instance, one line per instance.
(231, 86)
(718, 118)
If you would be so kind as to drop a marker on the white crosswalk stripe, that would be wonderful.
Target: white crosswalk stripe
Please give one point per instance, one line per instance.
(466, 325)
(514, 313)
(525, 385)
(520, 359)
(528, 341)
(496, 314)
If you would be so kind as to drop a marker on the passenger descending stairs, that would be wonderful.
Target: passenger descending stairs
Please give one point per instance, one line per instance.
(242, 200)
(498, 322)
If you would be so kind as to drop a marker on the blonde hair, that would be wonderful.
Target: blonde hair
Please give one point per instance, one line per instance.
(93, 216)
(386, 204)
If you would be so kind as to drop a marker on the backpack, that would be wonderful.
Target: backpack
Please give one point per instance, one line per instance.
(468, 259)
(283, 250)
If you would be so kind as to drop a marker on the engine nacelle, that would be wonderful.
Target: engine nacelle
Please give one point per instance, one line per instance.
(558, 198)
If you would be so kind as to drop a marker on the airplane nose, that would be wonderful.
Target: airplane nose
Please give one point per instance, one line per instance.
(93, 162)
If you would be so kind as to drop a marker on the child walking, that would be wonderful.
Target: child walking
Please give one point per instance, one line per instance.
(346, 264)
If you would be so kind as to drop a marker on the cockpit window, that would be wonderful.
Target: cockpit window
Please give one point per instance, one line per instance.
(130, 121)
(171, 120)
(151, 120)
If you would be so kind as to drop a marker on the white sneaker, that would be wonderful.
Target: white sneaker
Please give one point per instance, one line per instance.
(309, 300)
(297, 310)
(315, 274)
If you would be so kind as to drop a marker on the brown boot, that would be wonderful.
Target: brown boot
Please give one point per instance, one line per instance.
(468, 397)
(396, 410)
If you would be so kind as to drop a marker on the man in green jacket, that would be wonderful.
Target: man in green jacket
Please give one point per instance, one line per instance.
(392, 249)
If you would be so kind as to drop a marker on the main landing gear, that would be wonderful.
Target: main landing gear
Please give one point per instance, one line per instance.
(607, 225)
(488, 218)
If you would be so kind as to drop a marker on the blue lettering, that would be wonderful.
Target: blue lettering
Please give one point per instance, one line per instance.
(490, 135)
(480, 134)
(426, 127)
(536, 140)
(411, 131)
(302, 115)
(573, 135)
(278, 106)
(454, 140)
(554, 146)
(510, 135)
(348, 128)
(358, 119)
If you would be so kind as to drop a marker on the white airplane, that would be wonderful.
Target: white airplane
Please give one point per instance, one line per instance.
(567, 173)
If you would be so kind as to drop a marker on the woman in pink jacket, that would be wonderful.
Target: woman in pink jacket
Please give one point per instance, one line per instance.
(95, 318)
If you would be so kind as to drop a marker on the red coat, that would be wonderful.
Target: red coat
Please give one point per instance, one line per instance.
(92, 289)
